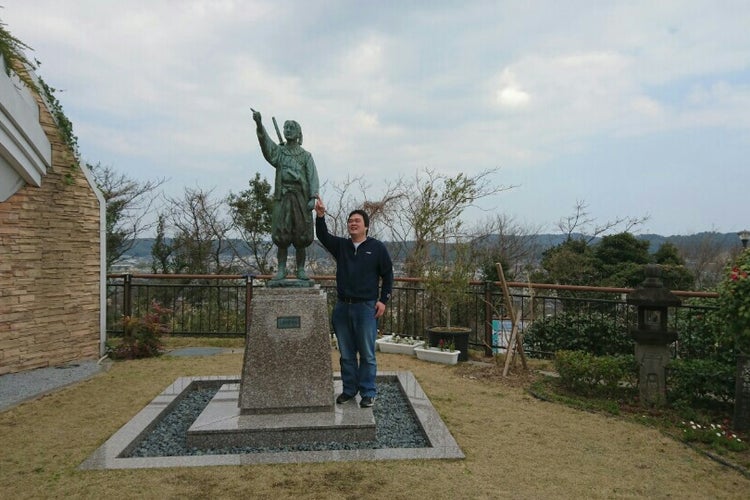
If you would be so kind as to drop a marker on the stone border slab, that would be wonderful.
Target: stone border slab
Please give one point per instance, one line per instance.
(222, 425)
(108, 456)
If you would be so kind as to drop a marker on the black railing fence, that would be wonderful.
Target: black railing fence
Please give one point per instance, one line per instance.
(217, 305)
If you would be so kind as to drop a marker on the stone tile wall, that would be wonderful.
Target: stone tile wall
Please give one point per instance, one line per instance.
(49, 266)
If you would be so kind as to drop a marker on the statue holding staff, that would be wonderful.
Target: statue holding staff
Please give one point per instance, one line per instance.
(295, 191)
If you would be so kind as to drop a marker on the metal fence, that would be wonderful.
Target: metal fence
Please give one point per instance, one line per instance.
(217, 305)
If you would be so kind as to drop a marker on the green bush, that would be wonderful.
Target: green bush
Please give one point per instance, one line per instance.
(141, 336)
(734, 301)
(700, 383)
(586, 374)
(597, 333)
(702, 332)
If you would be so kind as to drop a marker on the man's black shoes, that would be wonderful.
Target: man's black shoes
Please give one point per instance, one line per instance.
(365, 402)
(343, 398)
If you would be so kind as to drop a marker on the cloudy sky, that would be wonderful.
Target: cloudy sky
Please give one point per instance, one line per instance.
(633, 107)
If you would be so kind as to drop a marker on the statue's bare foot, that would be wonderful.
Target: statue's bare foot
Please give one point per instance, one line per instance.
(302, 275)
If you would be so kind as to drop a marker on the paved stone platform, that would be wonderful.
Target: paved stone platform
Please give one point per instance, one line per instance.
(111, 455)
(223, 425)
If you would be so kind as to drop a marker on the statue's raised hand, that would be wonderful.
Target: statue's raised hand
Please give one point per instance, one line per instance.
(256, 116)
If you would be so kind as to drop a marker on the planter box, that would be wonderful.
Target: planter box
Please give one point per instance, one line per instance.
(459, 336)
(435, 355)
(384, 344)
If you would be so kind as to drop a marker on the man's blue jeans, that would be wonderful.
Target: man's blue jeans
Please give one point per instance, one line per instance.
(356, 329)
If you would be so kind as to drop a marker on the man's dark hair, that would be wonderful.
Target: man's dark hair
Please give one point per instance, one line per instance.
(364, 215)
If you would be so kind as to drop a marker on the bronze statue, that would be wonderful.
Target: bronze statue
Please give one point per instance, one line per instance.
(295, 191)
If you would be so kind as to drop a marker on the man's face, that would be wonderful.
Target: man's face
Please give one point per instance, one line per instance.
(356, 226)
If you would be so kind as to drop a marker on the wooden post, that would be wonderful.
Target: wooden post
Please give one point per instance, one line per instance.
(515, 343)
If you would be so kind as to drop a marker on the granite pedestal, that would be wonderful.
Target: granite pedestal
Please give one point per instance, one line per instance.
(286, 394)
(287, 366)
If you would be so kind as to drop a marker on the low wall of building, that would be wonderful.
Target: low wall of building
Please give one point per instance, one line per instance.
(50, 263)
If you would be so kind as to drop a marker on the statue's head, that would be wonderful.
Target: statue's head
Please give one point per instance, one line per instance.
(292, 131)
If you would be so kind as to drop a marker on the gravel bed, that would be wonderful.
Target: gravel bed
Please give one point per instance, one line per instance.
(395, 427)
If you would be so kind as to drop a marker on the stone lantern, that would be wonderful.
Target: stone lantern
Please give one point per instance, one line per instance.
(652, 336)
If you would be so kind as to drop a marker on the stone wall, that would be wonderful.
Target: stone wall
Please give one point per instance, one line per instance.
(50, 266)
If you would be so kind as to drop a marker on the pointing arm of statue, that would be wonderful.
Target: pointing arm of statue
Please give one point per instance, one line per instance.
(257, 118)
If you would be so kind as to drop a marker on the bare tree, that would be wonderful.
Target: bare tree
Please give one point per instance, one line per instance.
(581, 222)
(431, 208)
(128, 203)
(706, 259)
(340, 199)
(200, 233)
(507, 241)
(354, 193)
(415, 214)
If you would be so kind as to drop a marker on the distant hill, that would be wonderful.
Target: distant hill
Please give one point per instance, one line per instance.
(721, 241)
(724, 241)
(141, 249)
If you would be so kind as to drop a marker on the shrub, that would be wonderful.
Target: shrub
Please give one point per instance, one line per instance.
(586, 374)
(702, 332)
(734, 301)
(596, 333)
(703, 383)
(141, 337)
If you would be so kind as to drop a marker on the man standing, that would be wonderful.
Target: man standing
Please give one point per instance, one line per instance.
(364, 280)
(295, 192)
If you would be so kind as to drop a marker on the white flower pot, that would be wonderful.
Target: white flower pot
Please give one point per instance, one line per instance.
(379, 340)
(384, 344)
(435, 355)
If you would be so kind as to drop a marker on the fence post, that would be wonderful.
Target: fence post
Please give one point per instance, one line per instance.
(488, 318)
(127, 299)
(248, 300)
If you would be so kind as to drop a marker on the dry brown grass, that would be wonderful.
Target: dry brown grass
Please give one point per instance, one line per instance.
(516, 446)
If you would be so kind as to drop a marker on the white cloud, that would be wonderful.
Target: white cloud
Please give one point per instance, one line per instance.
(158, 86)
(367, 120)
(510, 94)
(647, 107)
(512, 97)
(365, 59)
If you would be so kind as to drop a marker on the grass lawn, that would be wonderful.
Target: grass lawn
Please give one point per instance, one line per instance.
(516, 445)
